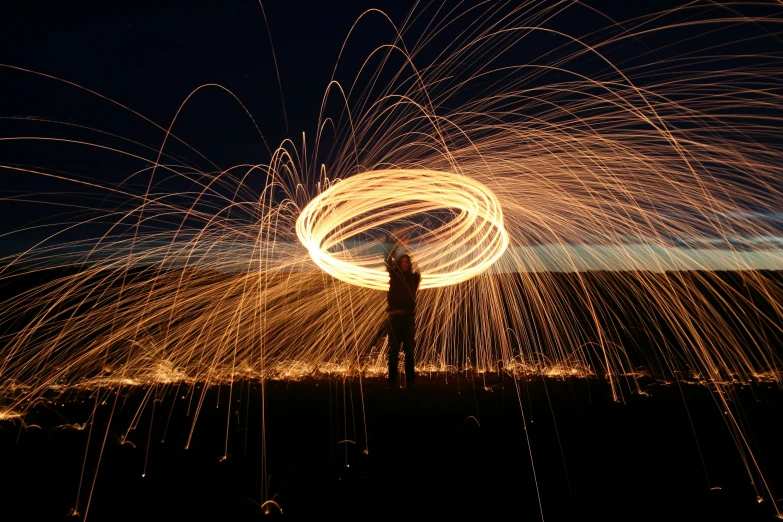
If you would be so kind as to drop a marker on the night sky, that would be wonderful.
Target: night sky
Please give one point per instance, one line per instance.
(150, 55)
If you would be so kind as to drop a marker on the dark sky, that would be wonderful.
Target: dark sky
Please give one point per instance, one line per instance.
(149, 55)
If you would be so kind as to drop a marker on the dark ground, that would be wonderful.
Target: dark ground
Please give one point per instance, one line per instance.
(428, 459)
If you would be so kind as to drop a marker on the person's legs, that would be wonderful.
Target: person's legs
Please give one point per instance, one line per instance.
(409, 346)
(395, 338)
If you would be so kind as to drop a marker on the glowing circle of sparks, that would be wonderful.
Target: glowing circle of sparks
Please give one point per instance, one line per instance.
(447, 251)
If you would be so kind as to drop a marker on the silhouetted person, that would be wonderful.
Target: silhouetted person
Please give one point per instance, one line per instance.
(401, 311)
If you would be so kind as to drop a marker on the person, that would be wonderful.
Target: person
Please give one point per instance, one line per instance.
(401, 310)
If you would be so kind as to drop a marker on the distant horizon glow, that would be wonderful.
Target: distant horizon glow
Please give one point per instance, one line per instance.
(235, 257)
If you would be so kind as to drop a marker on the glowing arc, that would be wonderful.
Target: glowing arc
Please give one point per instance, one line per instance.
(464, 247)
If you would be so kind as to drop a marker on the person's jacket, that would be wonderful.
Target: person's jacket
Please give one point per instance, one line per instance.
(403, 286)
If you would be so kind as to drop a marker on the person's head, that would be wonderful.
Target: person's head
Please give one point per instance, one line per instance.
(404, 262)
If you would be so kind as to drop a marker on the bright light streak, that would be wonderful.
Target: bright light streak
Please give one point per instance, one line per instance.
(449, 253)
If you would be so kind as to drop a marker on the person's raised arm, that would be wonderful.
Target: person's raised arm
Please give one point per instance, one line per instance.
(398, 242)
